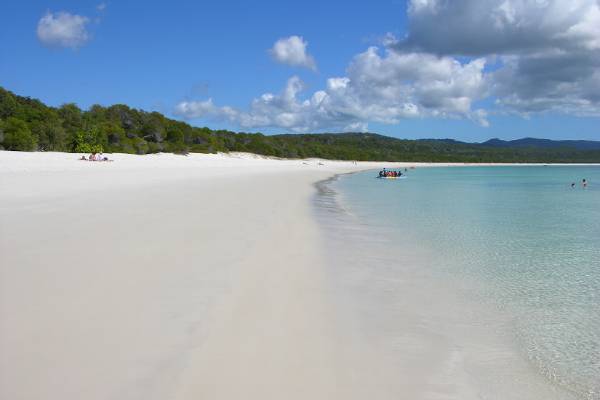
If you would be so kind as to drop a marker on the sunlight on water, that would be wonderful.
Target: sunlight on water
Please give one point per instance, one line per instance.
(529, 241)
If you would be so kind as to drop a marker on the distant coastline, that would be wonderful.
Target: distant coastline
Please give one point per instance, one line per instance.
(27, 124)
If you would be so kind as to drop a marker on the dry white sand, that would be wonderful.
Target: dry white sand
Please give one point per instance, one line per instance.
(168, 277)
(172, 277)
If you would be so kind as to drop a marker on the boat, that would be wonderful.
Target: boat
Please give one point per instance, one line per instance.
(390, 174)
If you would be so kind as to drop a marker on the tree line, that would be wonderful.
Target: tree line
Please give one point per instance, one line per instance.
(27, 124)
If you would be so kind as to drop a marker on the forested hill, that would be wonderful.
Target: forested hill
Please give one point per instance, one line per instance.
(27, 124)
(544, 143)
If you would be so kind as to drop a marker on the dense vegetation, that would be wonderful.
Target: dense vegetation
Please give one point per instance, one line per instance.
(27, 125)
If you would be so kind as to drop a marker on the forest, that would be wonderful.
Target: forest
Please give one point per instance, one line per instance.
(27, 124)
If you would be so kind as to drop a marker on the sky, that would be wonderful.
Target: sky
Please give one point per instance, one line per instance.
(464, 69)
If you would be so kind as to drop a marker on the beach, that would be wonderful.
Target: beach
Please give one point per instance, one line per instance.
(216, 276)
(165, 276)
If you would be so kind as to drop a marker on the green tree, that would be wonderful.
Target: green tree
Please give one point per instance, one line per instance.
(89, 141)
(8, 104)
(72, 120)
(17, 135)
(175, 136)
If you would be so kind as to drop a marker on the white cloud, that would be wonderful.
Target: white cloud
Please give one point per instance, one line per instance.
(195, 109)
(483, 27)
(549, 49)
(400, 85)
(62, 29)
(101, 7)
(283, 110)
(381, 88)
(523, 56)
(292, 51)
(416, 6)
(558, 82)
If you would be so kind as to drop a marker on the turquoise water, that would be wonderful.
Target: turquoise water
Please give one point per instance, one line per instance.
(526, 240)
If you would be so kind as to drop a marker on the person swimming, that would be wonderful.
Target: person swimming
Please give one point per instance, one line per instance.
(584, 183)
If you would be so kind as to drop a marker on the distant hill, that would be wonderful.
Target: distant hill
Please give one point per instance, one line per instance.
(372, 146)
(27, 124)
(543, 143)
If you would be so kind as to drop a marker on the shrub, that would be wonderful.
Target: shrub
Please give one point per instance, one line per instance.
(17, 136)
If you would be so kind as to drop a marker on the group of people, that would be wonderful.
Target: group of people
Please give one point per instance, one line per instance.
(95, 157)
(584, 184)
(389, 174)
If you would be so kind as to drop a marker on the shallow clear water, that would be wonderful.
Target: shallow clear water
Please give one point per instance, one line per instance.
(521, 241)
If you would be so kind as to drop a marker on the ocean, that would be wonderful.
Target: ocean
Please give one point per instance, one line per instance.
(496, 268)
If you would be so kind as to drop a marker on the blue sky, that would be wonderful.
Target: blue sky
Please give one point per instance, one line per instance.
(173, 57)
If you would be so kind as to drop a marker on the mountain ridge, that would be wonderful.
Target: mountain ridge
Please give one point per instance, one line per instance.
(541, 142)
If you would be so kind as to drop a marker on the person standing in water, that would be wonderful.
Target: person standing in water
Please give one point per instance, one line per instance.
(584, 183)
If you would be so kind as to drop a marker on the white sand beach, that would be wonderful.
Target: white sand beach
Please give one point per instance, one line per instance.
(164, 276)
(198, 277)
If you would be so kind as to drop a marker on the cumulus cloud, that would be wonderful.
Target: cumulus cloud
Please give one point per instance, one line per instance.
(379, 87)
(548, 49)
(558, 82)
(483, 27)
(195, 109)
(292, 51)
(62, 29)
(522, 56)
(284, 110)
(400, 85)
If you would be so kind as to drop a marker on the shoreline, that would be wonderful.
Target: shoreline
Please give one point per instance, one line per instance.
(473, 357)
(165, 276)
(24, 157)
